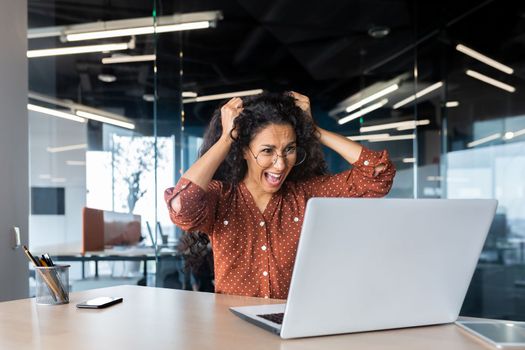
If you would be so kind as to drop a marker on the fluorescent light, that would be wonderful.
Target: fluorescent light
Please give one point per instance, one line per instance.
(55, 113)
(482, 58)
(512, 134)
(189, 94)
(367, 137)
(44, 176)
(409, 160)
(58, 179)
(75, 162)
(396, 138)
(381, 137)
(490, 81)
(434, 178)
(451, 104)
(419, 94)
(126, 59)
(363, 111)
(77, 49)
(66, 148)
(114, 33)
(372, 97)
(222, 96)
(408, 124)
(107, 78)
(484, 140)
(413, 125)
(104, 119)
(148, 97)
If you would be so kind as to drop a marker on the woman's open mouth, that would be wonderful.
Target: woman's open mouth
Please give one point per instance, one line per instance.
(273, 179)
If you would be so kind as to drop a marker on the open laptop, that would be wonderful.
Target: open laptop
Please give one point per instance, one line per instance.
(371, 264)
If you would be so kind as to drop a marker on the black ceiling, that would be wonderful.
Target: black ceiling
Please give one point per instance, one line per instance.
(320, 48)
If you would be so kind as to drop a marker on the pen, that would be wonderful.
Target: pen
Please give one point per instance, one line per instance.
(47, 262)
(54, 293)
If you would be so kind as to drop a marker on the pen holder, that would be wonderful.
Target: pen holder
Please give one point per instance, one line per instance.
(52, 285)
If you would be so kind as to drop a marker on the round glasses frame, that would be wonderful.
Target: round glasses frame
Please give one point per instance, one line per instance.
(298, 152)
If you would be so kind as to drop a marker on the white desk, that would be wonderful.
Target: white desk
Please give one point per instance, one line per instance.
(156, 318)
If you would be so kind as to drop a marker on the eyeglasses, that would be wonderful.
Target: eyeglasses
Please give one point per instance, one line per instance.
(292, 155)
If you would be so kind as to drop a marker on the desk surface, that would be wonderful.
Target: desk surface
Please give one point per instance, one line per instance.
(157, 318)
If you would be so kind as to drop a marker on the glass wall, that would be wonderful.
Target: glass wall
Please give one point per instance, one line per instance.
(452, 120)
(92, 143)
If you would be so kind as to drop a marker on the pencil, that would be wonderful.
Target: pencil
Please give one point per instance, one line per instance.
(54, 293)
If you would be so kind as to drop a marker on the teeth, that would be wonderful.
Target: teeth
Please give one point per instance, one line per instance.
(275, 176)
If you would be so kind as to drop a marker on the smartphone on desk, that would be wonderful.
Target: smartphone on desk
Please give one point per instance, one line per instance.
(99, 303)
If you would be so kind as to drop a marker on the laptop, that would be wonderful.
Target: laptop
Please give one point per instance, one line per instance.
(373, 264)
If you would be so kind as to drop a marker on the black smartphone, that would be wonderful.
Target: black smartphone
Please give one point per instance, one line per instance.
(99, 303)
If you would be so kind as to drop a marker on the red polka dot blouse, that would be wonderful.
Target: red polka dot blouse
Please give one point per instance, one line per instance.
(254, 252)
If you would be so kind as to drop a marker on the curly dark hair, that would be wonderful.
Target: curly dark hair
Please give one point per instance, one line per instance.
(259, 111)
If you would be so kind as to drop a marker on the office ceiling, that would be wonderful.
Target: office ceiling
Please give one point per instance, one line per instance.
(321, 48)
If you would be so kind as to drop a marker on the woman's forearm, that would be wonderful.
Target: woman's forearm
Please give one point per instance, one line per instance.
(201, 172)
(345, 147)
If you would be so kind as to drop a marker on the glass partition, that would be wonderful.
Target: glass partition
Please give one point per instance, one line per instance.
(110, 130)
(91, 139)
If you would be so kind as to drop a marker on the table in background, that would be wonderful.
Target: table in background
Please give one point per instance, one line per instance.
(132, 253)
(158, 318)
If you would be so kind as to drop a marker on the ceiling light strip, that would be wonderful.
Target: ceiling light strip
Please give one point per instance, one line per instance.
(362, 112)
(114, 33)
(381, 137)
(77, 50)
(490, 81)
(372, 97)
(395, 138)
(103, 119)
(55, 113)
(484, 140)
(368, 137)
(482, 58)
(409, 124)
(126, 59)
(419, 94)
(76, 162)
(66, 148)
(223, 96)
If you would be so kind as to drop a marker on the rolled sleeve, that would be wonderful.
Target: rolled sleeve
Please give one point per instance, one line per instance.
(359, 181)
(197, 205)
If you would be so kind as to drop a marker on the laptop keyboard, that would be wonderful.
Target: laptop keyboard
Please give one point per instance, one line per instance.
(276, 318)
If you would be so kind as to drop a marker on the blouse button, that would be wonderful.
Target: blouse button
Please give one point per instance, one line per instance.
(265, 273)
(225, 222)
(261, 223)
(366, 162)
(296, 219)
(263, 247)
(184, 186)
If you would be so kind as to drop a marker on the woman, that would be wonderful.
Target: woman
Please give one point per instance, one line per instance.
(265, 153)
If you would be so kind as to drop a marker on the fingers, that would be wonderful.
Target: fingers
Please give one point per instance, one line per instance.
(233, 107)
(229, 111)
(298, 96)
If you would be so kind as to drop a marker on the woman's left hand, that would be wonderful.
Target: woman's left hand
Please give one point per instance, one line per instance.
(302, 102)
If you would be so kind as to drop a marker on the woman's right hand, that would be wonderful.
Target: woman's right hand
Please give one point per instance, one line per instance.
(229, 112)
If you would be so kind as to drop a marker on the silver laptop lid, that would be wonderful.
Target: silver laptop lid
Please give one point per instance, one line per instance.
(369, 264)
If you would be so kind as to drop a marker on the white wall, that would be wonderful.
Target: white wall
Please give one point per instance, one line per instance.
(14, 194)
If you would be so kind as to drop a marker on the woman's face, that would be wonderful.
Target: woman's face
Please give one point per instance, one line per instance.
(269, 177)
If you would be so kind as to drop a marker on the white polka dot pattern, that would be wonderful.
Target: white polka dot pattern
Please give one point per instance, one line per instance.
(254, 252)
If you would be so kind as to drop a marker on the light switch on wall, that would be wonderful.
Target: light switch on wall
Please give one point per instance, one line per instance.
(16, 237)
